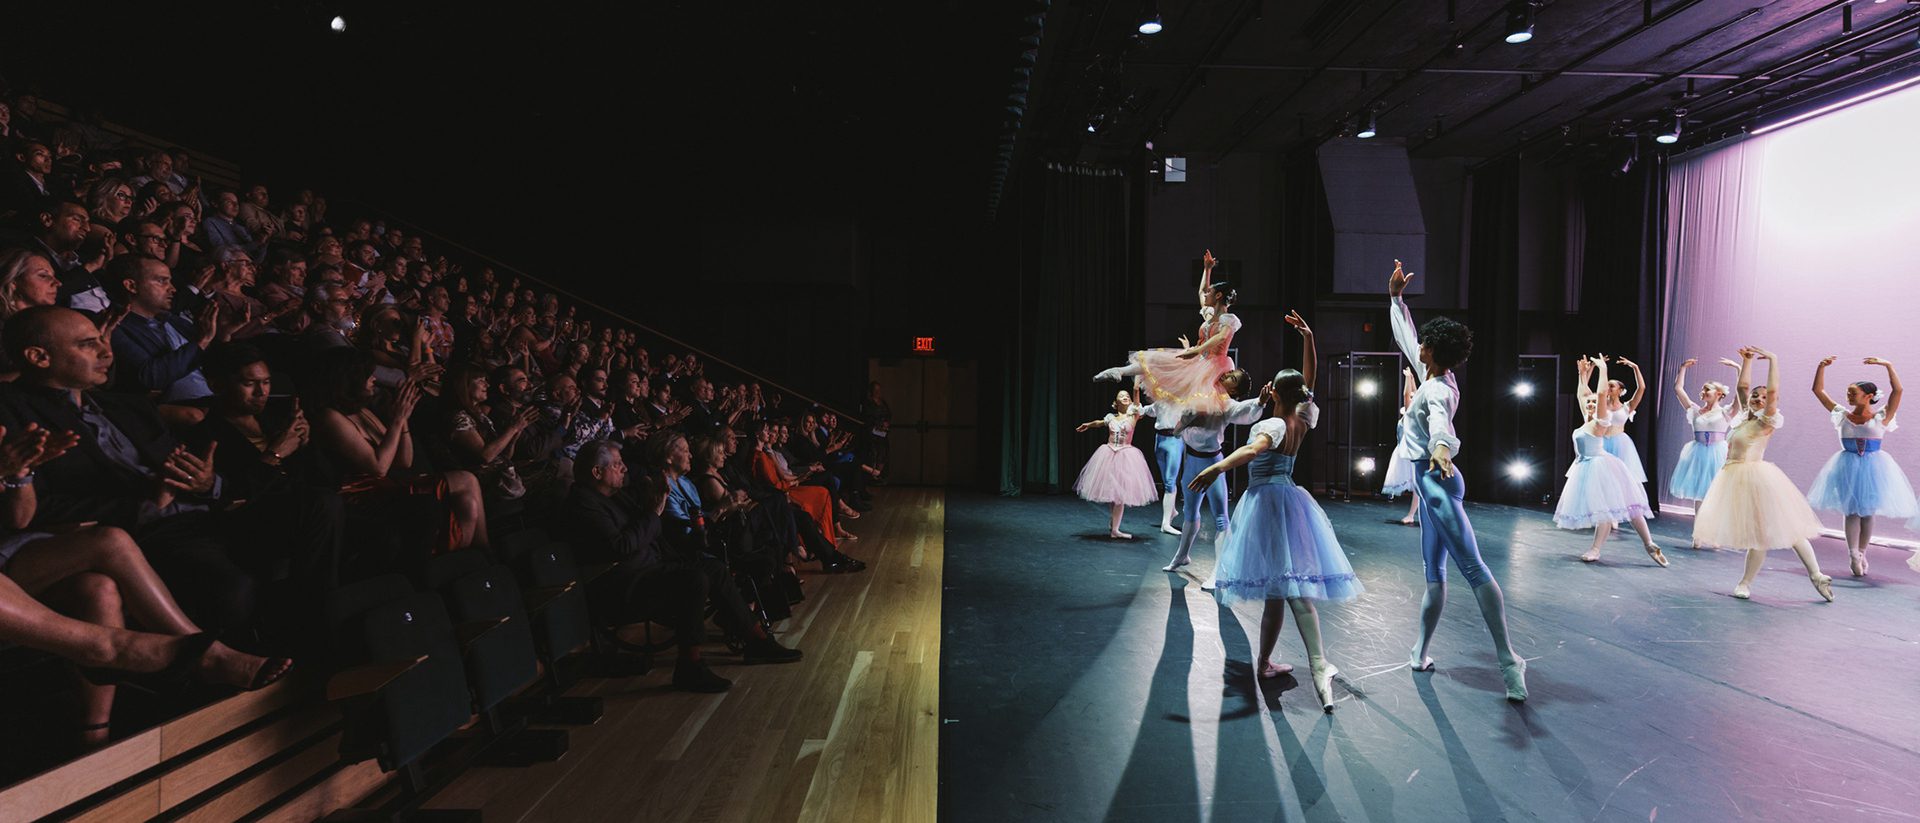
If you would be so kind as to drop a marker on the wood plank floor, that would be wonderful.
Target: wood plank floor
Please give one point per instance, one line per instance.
(851, 733)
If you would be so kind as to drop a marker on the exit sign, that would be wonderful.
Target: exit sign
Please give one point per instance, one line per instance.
(923, 345)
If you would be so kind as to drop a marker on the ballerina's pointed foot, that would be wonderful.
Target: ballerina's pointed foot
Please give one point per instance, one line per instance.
(1109, 374)
(1269, 671)
(1117, 534)
(1592, 555)
(1420, 662)
(1824, 585)
(1210, 585)
(1743, 592)
(1323, 673)
(1176, 564)
(1659, 557)
(1166, 529)
(1516, 677)
(1858, 561)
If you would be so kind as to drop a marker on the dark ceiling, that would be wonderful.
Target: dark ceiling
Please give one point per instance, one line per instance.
(1266, 75)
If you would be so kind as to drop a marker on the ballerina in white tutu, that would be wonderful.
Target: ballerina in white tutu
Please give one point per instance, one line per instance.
(1752, 505)
(1399, 477)
(1188, 379)
(1117, 472)
(1861, 481)
(1283, 551)
(1598, 493)
(1616, 411)
(1702, 456)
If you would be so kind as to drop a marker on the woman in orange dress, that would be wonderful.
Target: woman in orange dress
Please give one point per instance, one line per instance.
(816, 501)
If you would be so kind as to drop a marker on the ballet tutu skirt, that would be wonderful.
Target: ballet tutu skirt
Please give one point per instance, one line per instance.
(1621, 446)
(1183, 384)
(1117, 474)
(1753, 505)
(1699, 464)
(1599, 491)
(1399, 477)
(1282, 545)
(1865, 485)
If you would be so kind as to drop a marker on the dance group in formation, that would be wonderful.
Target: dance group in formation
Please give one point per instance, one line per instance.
(1281, 549)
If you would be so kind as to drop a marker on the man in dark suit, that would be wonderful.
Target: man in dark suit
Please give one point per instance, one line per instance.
(608, 526)
(27, 190)
(128, 471)
(158, 350)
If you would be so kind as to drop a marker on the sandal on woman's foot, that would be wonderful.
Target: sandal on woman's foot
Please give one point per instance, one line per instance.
(270, 672)
(177, 675)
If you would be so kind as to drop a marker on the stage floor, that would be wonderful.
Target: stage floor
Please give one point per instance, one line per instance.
(1079, 682)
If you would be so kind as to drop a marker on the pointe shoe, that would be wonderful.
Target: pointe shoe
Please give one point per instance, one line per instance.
(1592, 556)
(1516, 677)
(1743, 591)
(1420, 664)
(1176, 564)
(1166, 528)
(1857, 559)
(1323, 673)
(1109, 374)
(1273, 670)
(1653, 551)
(1824, 585)
(1210, 585)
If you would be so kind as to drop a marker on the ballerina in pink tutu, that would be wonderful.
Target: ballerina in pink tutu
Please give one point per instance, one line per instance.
(1117, 472)
(1188, 379)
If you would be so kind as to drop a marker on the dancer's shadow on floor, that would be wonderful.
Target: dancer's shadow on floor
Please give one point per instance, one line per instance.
(1159, 782)
(1475, 794)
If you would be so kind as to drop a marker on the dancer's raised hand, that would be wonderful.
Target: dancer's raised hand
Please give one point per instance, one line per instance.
(1688, 363)
(1208, 261)
(1728, 361)
(1397, 282)
(1184, 343)
(1299, 323)
(1828, 360)
(1877, 361)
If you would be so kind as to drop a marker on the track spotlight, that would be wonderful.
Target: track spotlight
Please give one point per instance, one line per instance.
(1366, 388)
(1364, 465)
(1371, 128)
(1523, 389)
(1520, 21)
(339, 24)
(1150, 20)
(1519, 469)
(1670, 130)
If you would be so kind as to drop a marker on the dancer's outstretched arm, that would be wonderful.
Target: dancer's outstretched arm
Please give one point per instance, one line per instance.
(1582, 390)
(1739, 397)
(1240, 457)
(1207, 262)
(1680, 385)
(1309, 357)
(1639, 384)
(1743, 384)
(1090, 424)
(1820, 383)
(1405, 334)
(1773, 383)
(1893, 388)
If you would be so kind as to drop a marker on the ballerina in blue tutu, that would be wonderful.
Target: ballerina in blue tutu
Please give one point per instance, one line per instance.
(1283, 551)
(1702, 457)
(1861, 481)
(1599, 494)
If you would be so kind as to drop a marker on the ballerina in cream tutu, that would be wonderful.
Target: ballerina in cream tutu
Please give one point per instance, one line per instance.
(1860, 481)
(1188, 379)
(1752, 505)
(1117, 472)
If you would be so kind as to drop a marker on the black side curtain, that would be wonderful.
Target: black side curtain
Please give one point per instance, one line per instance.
(1072, 245)
(1493, 312)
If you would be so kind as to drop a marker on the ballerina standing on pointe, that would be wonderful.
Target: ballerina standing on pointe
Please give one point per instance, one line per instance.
(1702, 457)
(1752, 505)
(1860, 481)
(1117, 472)
(1598, 493)
(1399, 477)
(1284, 552)
(1189, 378)
(1438, 346)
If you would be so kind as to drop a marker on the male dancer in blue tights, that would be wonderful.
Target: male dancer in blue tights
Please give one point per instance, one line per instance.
(1430, 442)
(1201, 435)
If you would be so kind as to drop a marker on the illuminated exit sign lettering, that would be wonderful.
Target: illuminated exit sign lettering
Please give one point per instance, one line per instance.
(923, 344)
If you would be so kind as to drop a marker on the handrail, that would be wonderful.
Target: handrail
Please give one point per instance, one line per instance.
(503, 267)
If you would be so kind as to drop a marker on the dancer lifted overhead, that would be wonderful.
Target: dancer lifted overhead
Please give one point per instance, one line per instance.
(1752, 505)
(1189, 378)
(1284, 551)
(1439, 346)
(1860, 481)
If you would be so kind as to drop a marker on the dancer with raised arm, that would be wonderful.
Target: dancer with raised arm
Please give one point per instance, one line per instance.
(1598, 493)
(1616, 412)
(1399, 476)
(1752, 505)
(1438, 346)
(1189, 378)
(1702, 457)
(1284, 551)
(1860, 481)
(1117, 472)
(1201, 436)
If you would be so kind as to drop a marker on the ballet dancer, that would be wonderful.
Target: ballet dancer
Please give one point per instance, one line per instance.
(1438, 346)
(1752, 505)
(1167, 453)
(1117, 472)
(1201, 434)
(1615, 413)
(1598, 493)
(1188, 378)
(1399, 477)
(1860, 481)
(1284, 552)
(1702, 457)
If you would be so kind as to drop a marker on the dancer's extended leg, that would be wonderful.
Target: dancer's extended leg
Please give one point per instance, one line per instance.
(1821, 583)
(1131, 369)
(1755, 559)
(1600, 532)
(1444, 513)
(1272, 617)
(1307, 620)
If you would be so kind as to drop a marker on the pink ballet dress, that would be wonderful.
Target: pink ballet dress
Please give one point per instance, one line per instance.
(1191, 383)
(1752, 504)
(1117, 472)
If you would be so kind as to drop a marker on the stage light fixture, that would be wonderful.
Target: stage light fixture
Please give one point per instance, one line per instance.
(1519, 469)
(1670, 131)
(1364, 465)
(1523, 389)
(1519, 21)
(339, 23)
(1150, 23)
(1366, 388)
(1371, 128)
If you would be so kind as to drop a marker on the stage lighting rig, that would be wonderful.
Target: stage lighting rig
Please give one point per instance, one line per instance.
(1150, 23)
(1372, 126)
(1670, 129)
(1520, 20)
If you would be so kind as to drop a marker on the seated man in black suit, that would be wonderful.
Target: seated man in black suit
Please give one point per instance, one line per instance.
(128, 472)
(607, 526)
